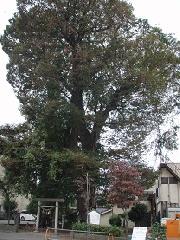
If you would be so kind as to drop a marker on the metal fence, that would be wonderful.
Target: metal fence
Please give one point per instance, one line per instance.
(66, 234)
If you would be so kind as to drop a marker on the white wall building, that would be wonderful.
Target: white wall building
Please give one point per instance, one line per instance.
(100, 216)
(168, 190)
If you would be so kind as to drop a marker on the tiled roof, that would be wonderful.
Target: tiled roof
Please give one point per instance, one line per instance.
(103, 210)
(174, 168)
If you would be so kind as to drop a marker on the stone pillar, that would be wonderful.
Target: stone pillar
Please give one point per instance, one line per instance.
(56, 216)
(38, 216)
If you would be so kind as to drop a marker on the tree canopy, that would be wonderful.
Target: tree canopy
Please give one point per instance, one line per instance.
(83, 69)
(86, 66)
(125, 184)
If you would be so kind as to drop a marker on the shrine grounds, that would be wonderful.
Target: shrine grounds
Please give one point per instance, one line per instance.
(21, 236)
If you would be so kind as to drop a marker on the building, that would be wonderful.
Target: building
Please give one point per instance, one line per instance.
(100, 216)
(167, 194)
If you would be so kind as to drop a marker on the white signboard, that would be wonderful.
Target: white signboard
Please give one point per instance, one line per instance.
(139, 233)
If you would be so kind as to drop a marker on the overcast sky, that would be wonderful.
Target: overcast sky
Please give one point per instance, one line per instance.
(162, 13)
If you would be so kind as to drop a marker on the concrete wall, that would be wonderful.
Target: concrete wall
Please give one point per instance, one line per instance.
(104, 219)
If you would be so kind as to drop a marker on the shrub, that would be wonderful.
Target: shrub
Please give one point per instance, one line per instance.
(115, 220)
(97, 228)
(158, 231)
(138, 213)
(115, 231)
(79, 226)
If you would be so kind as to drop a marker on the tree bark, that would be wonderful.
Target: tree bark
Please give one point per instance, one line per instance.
(126, 223)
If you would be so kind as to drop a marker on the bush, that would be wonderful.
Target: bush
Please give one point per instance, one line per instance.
(80, 226)
(158, 231)
(97, 228)
(115, 231)
(138, 213)
(115, 220)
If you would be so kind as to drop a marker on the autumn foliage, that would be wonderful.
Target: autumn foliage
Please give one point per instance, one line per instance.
(125, 184)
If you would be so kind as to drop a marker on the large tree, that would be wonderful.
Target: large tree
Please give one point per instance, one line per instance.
(85, 65)
(80, 68)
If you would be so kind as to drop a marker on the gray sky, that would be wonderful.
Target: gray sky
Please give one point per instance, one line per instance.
(8, 103)
(162, 13)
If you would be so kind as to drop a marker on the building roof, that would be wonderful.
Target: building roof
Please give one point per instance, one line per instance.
(173, 168)
(103, 210)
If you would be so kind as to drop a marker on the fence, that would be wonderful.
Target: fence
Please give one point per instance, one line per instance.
(66, 234)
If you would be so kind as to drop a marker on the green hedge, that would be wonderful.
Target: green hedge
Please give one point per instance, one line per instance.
(96, 228)
(158, 231)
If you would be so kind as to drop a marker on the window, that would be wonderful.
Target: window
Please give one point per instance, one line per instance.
(172, 180)
(164, 180)
(174, 205)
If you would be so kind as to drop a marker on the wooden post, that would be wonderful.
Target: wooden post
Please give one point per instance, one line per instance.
(38, 216)
(56, 217)
(111, 237)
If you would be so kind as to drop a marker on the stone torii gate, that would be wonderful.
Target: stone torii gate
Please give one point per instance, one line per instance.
(41, 200)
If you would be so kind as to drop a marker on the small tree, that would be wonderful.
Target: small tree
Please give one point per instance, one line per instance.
(115, 220)
(9, 206)
(138, 213)
(124, 186)
(7, 192)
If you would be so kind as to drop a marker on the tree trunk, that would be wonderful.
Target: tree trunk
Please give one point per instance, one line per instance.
(8, 211)
(126, 223)
(81, 206)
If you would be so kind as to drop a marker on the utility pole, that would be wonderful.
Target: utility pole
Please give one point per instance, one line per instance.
(88, 192)
(87, 204)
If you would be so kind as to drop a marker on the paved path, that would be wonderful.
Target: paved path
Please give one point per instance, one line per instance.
(21, 222)
(21, 236)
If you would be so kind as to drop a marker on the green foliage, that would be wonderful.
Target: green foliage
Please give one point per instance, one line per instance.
(158, 232)
(97, 228)
(78, 71)
(9, 206)
(78, 81)
(148, 175)
(138, 213)
(76, 163)
(32, 207)
(115, 231)
(70, 218)
(115, 220)
(80, 226)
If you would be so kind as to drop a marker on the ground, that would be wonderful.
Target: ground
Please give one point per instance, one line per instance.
(21, 236)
